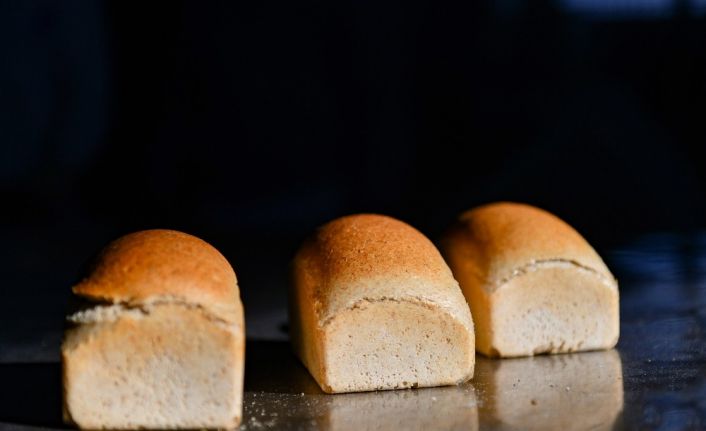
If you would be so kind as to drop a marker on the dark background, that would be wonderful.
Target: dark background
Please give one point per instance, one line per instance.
(250, 124)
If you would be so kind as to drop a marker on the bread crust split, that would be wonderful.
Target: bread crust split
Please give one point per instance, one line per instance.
(156, 338)
(373, 306)
(533, 283)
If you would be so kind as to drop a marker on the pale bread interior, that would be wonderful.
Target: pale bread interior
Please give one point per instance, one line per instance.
(393, 344)
(171, 366)
(557, 307)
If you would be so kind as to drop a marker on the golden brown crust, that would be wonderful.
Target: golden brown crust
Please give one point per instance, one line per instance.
(360, 246)
(152, 265)
(533, 283)
(500, 238)
(384, 269)
(370, 256)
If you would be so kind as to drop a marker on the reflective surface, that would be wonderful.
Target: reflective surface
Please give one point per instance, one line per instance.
(655, 379)
(280, 394)
(569, 392)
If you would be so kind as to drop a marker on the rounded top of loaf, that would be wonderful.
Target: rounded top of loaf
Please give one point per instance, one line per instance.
(500, 238)
(370, 257)
(363, 245)
(160, 265)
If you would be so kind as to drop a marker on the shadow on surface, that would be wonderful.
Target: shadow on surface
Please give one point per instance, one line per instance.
(271, 366)
(31, 394)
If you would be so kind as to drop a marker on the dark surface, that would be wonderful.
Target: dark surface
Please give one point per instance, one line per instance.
(655, 379)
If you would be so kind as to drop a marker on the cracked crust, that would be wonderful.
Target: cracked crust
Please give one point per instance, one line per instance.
(152, 265)
(496, 239)
(533, 283)
(155, 338)
(92, 313)
(551, 263)
(361, 273)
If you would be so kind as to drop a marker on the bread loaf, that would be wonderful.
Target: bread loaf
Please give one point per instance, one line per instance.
(374, 306)
(533, 283)
(156, 339)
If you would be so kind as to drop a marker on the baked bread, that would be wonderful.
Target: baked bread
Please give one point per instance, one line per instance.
(374, 306)
(156, 339)
(533, 283)
(581, 391)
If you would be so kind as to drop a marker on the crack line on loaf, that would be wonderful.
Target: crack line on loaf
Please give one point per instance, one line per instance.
(91, 311)
(537, 264)
(417, 300)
